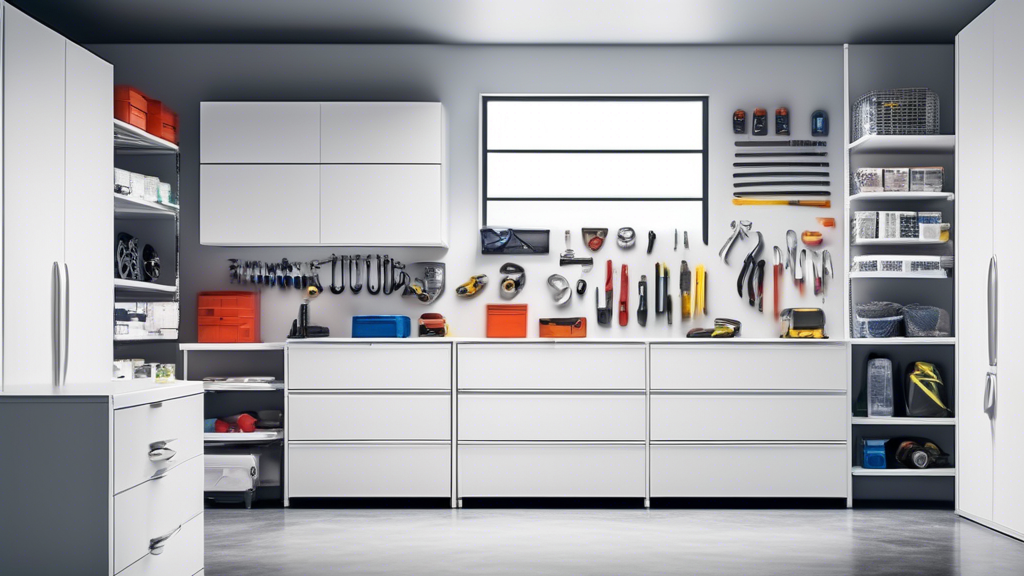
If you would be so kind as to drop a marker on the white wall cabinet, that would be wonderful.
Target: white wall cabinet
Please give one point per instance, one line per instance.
(381, 173)
(57, 205)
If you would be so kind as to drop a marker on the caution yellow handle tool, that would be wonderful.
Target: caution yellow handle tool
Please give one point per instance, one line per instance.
(685, 304)
(761, 202)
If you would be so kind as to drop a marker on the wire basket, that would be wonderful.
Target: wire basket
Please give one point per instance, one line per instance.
(904, 111)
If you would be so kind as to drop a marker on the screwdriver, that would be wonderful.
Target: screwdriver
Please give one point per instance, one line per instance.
(684, 291)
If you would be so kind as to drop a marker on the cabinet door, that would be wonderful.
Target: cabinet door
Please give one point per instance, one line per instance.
(380, 132)
(1008, 149)
(381, 205)
(33, 193)
(974, 181)
(259, 132)
(259, 205)
(89, 206)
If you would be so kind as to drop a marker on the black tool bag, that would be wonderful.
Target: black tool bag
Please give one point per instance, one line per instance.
(509, 241)
(925, 392)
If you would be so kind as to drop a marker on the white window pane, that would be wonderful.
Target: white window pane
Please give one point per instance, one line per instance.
(595, 125)
(570, 215)
(555, 175)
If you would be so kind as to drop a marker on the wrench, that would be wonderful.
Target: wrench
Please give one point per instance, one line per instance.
(738, 229)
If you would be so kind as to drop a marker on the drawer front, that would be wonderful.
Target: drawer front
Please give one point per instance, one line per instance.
(748, 367)
(501, 417)
(259, 132)
(579, 470)
(369, 470)
(748, 417)
(380, 132)
(780, 471)
(373, 416)
(370, 366)
(554, 366)
(138, 430)
(155, 509)
(182, 554)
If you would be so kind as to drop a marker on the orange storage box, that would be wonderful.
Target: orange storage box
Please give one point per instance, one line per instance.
(161, 121)
(130, 105)
(506, 320)
(228, 316)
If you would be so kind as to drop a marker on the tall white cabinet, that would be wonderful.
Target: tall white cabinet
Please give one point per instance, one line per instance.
(990, 391)
(57, 206)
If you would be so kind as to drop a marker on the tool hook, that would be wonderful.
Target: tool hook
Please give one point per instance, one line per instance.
(369, 285)
(355, 283)
(337, 288)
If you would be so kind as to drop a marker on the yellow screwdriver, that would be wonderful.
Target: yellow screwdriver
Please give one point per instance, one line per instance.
(761, 202)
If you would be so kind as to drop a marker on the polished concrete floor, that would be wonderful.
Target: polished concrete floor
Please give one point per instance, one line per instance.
(307, 542)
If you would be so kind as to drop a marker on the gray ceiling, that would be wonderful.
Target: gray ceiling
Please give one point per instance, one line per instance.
(507, 21)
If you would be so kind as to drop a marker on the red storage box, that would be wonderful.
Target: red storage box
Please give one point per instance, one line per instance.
(161, 121)
(131, 106)
(228, 316)
(506, 320)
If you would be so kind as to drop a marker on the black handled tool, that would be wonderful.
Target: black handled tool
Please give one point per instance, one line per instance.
(650, 240)
(792, 143)
(749, 194)
(781, 183)
(777, 154)
(641, 312)
(782, 164)
(757, 293)
(748, 263)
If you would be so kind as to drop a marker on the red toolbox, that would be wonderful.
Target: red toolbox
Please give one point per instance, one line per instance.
(161, 121)
(228, 316)
(130, 106)
(506, 320)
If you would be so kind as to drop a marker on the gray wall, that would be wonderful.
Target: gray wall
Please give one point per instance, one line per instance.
(801, 78)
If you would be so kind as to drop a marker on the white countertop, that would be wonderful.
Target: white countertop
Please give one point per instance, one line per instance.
(459, 340)
(121, 393)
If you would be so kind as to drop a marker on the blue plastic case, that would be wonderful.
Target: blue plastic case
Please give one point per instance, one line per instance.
(381, 326)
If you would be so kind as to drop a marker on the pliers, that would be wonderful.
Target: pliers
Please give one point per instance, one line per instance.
(749, 264)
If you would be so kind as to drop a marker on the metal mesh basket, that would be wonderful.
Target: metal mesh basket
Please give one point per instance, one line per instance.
(877, 320)
(926, 321)
(904, 111)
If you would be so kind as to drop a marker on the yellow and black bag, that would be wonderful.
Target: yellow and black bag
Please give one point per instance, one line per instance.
(925, 391)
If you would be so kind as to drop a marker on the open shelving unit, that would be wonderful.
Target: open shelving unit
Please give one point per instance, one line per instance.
(870, 68)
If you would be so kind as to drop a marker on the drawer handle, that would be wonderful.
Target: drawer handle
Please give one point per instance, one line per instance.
(159, 452)
(156, 404)
(156, 545)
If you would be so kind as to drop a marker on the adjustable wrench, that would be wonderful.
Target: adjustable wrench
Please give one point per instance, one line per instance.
(738, 229)
(748, 264)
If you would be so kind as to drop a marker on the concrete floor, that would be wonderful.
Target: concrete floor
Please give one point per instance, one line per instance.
(307, 542)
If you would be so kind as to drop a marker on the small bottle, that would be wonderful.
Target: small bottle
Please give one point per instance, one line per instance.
(759, 126)
(819, 123)
(879, 387)
(739, 122)
(781, 122)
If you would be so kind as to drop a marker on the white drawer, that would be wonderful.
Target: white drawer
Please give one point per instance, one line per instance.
(720, 366)
(369, 470)
(553, 366)
(551, 470)
(155, 509)
(748, 416)
(770, 471)
(182, 554)
(370, 416)
(138, 430)
(518, 416)
(370, 366)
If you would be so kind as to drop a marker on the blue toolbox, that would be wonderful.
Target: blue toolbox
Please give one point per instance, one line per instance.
(381, 326)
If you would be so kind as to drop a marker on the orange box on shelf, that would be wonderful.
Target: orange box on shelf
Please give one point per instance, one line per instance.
(161, 121)
(506, 320)
(228, 316)
(130, 105)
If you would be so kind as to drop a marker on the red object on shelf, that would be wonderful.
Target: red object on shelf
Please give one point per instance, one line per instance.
(131, 106)
(506, 320)
(228, 317)
(161, 121)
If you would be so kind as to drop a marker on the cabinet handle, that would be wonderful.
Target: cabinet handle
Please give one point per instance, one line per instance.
(161, 454)
(988, 401)
(55, 322)
(67, 325)
(993, 311)
(156, 545)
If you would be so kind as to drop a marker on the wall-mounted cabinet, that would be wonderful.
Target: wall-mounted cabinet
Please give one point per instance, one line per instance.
(331, 173)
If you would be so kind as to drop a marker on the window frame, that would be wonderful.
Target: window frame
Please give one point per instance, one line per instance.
(483, 150)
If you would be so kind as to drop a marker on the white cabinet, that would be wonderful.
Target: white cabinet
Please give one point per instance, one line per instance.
(381, 132)
(371, 416)
(350, 470)
(381, 174)
(548, 417)
(748, 416)
(259, 132)
(57, 206)
(381, 205)
(711, 366)
(370, 366)
(247, 205)
(553, 366)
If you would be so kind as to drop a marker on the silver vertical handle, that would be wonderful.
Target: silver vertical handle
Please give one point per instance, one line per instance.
(993, 311)
(55, 302)
(67, 324)
(989, 400)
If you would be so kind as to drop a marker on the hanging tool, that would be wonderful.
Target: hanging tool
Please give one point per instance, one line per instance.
(787, 193)
(604, 315)
(819, 123)
(791, 247)
(626, 237)
(428, 288)
(561, 292)
(739, 122)
(826, 268)
(759, 126)
(776, 274)
(675, 243)
(668, 295)
(739, 228)
(777, 174)
(569, 257)
(650, 240)
(380, 274)
(472, 287)
(772, 143)
(337, 288)
(782, 183)
(314, 276)
(778, 154)
(686, 240)
(758, 202)
(660, 288)
(355, 284)
(685, 304)
(513, 281)
(594, 237)
(748, 263)
(812, 238)
(816, 272)
(782, 122)
(388, 287)
(780, 164)
(700, 282)
(758, 296)
(581, 286)
(641, 312)
(803, 269)
(624, 296)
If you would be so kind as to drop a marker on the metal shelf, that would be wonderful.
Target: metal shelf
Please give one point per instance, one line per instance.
(132, 140)
(902, 341)
(242, 386)
(137, 289)
(232, 346)
(923, 144)
(895, 276)
(902, 421)
(858, 471)
(896, 242)
(894, 196)
(144, 339)
(257, 437)
(129, 207)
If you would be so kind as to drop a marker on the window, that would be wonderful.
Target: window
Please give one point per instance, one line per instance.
(565, 162)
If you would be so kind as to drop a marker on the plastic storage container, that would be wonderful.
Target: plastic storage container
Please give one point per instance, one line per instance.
(877, 320)
(161, 121)
(506, 320)
(389, 326)
(926, 321)
(232, 473)
(880, 403)
(131, 106)
(873, 453)
(228, 316)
